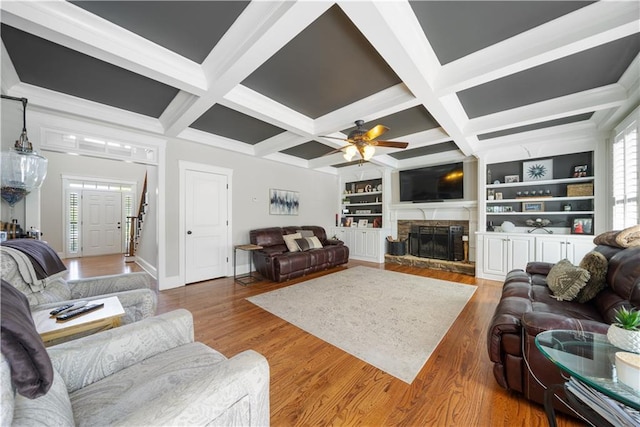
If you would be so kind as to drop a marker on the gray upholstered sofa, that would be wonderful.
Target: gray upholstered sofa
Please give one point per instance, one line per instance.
(146, 373)
(134, 290)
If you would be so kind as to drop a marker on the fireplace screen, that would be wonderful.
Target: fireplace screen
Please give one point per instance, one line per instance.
(438, 242)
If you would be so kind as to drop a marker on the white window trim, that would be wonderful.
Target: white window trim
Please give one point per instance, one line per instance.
(632, 119)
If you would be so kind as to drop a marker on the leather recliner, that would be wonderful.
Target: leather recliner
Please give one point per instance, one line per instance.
(275, 261)
(527, 307)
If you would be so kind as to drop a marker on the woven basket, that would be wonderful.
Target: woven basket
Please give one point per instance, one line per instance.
(577, 190)
(624, 339)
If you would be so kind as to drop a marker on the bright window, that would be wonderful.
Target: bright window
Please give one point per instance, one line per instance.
(625, 173)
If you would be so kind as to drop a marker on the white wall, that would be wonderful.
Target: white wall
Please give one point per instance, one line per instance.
(252, 179)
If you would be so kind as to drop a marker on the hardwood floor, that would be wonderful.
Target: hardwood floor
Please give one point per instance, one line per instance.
(316, 384)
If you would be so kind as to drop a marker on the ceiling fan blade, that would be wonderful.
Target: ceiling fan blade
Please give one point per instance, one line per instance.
(392, 144)
(375, 132)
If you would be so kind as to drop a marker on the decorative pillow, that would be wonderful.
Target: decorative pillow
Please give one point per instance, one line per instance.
(31, 369)
(290, 241)
(566, 280)
(305, 233)
(596, 264)
(307, 243)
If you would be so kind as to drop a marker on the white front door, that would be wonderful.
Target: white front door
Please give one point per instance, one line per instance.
(101, 227)
(206, 225)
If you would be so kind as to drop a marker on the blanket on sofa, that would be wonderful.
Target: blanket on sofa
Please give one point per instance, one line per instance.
(627, 238)
(45, 260)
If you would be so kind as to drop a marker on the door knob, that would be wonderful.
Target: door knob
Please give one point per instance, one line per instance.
(189, 232)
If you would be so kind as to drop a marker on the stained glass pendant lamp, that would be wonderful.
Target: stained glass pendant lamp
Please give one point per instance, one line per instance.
(23, 170)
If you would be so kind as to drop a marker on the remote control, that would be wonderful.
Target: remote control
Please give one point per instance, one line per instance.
(67, 307)
(77, 312)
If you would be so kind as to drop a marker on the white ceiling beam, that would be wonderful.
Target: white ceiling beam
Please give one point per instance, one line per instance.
(216, 141)
(56, 101)
(431, 159)
(68, 25)
(278, 143)
(9, 75)
(425, 138)
(591, 26)
(259, 32)
(608, 119)
(569, 105)
(393, 30)
(386, 102)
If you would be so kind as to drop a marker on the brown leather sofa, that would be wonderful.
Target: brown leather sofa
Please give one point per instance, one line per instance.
(275, 262)
(527, 307)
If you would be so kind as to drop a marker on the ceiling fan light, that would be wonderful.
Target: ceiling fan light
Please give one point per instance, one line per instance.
(350, 151)
(368, 152)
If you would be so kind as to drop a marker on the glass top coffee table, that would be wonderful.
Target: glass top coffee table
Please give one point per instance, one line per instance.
(589, 358)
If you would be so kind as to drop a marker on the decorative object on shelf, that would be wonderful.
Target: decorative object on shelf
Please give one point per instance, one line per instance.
(490, 226)
(579, 171)
(538, 224)
(532, 206)
(491, 194)
(498, 196)
(368, 188)
(508, 227)
(496, 182)
(577, 190)
(379, 187)
(23, 170)
(283, 202)
(363, 223)
(488, 176)
(377, 223)
(625, 331)
(582, 226)
(566, 207)
(511, 178)
(537, 170)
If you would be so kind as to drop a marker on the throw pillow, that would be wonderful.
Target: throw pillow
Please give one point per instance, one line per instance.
(305, 233)
(290, 241)
(566, 280)
(308, 243)
(596, 264)
(31, 369)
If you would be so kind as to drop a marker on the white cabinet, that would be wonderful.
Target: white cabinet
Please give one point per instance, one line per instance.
(365, 244)
(502, 252)
(555, 248)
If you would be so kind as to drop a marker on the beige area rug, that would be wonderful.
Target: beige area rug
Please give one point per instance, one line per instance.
(390, 320)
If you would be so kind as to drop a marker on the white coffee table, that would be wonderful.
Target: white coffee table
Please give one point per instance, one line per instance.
(53, 332)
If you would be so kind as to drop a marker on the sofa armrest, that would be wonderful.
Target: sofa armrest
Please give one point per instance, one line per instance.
(102, 285)
(244, 377)
(536, 322)
(539, 267)
(334, 242)
(86, 360)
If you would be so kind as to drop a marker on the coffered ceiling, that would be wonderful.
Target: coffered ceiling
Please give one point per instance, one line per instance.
(272, 79)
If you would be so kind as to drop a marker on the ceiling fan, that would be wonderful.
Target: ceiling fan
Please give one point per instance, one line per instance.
(364, 141)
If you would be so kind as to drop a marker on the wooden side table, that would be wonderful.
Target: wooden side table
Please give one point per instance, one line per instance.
(52, 332)
(249, 278)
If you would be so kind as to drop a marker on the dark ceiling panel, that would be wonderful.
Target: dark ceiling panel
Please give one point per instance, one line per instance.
(223, 121)
(328, 65)
(600, 66)
(42, 63)
(189, 28)
(425, 151)
(458, 28)
(534, 126)
(309, 150)
(406, 122)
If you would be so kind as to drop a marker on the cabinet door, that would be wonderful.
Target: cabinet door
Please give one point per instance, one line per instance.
(360, 244)
(372, 244)
(577, 248)
(520, 251)
(551, 249)
(495, 255)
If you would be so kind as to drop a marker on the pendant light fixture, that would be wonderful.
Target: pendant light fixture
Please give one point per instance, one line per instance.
(23, 170)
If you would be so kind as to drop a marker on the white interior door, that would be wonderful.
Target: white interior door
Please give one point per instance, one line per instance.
(101, 227)
(206, 225)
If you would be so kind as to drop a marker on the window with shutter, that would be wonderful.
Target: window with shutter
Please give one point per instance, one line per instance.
(625, 172)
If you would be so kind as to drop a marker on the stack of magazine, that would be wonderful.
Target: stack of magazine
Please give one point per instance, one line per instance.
(611, 410)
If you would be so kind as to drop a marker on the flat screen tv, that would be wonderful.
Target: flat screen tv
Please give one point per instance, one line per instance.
(433, 183)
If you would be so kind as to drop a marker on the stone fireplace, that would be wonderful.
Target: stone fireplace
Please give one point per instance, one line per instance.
(435, 239)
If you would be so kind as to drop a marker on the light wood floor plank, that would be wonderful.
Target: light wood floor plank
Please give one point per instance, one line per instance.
(316, 384)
